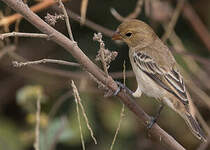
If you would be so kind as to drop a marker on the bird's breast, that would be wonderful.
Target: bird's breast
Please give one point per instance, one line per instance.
(146, 84)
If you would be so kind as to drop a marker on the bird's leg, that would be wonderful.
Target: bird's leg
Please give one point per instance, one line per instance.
(154, 119)
(122, 86)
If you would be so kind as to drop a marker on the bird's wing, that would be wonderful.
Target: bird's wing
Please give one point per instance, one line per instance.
(171, 80)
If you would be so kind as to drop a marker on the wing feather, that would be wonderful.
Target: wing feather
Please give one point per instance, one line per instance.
(171, 80)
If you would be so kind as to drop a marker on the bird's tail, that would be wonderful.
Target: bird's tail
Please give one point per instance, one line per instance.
(195, 127)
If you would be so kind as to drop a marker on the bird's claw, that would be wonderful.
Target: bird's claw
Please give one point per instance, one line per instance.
(154, 119)
(152, 122)
(122, 86)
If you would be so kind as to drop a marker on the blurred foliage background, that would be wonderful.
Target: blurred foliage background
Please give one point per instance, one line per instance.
(59, 129)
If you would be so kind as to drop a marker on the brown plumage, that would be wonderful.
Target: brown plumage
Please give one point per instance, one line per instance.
(156, 70)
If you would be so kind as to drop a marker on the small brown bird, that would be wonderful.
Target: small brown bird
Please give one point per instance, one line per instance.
(156, 71)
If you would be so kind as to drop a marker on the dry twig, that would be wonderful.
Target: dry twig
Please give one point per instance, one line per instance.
(66, 17)
(76, 96)
(55, 61)
(52, 19)
(20, 34)
(78, 102)
(104, 55)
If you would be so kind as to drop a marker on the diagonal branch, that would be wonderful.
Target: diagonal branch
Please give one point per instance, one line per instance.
(73, 48)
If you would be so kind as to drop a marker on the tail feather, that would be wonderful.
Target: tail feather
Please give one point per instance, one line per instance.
(195, 127)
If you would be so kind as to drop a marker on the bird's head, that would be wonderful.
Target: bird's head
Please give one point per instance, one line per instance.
(135, 33)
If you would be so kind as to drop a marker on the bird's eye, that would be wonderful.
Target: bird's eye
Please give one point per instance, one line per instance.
(128, 34)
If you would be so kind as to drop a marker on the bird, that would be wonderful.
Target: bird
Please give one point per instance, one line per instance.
(156, 72)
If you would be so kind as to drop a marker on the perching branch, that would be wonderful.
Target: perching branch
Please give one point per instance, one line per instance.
(73, 48)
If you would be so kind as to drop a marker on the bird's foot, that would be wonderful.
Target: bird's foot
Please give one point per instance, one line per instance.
(122, 86)
(152, 122)
(154, 119)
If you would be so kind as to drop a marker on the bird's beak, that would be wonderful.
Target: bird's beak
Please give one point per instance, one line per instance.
(116, 36)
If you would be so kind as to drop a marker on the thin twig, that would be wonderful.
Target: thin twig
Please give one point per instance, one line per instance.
(36, 143)
(47, 69)
(19, 34)
(173, 20)
(58, 72)
(75, 92)
(78, 99)
(86, 119)
(68, 26)
(17, 24)
(43, 61)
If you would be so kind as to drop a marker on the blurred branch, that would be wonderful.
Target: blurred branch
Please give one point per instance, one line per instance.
(72, 48)
(132, 15)
(58, 103)
(87, 22)
(192, 65)
(190, 14)
(83, 10)
(6, 49)
(6, 21)
(173, 21)
(58, 133)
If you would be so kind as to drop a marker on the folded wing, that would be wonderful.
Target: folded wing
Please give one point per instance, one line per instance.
(171, 80)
